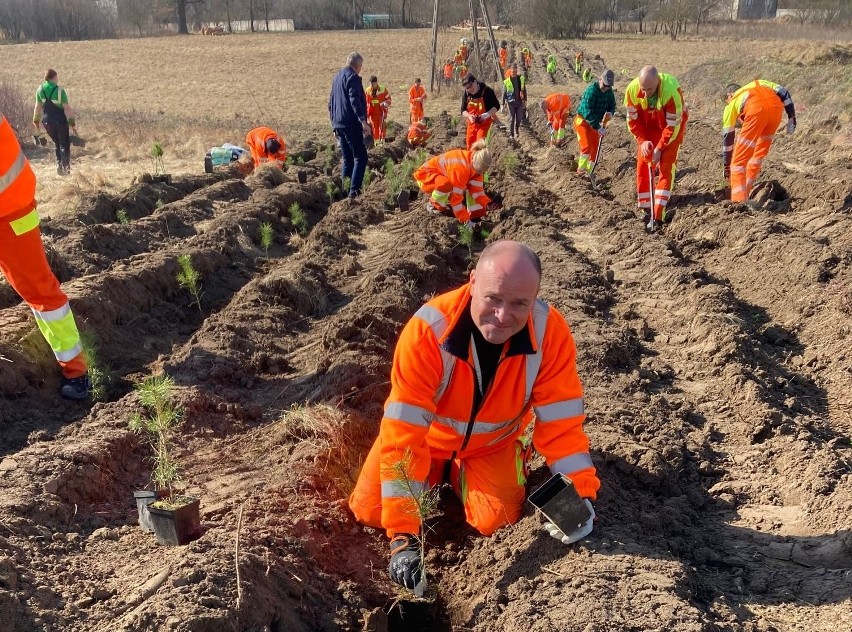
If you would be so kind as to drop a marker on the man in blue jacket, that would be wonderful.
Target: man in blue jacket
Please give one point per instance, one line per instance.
(347, 109)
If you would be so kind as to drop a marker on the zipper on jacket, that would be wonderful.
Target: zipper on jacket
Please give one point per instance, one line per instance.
(474, 411)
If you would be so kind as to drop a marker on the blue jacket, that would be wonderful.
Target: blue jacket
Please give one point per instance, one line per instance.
(347, 103)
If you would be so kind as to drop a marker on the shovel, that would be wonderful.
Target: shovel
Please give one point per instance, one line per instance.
(652, 168)
(595, 166)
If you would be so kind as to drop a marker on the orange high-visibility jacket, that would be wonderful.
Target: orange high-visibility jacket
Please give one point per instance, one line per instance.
(448, 71)
(415, 93)
(558, 104)
(504, 57)
(378, 101)
(658, 116)
(256, 140)
(418, 133)
(430, 411)
(749, 100)
(17, 180)
(457, 167)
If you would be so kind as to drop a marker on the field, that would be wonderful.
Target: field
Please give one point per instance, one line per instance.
(714, 355)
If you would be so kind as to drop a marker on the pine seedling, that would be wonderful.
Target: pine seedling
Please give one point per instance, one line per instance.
(157, 158)
(389, 166)
(158, 421)
(122, 216)
(189, 279)
(425, 503)
(454, 121)
(160, 204)
(266, 235)
(331, 191)
(300, 160)
(347, 184)
(298, 218)
(510, 161)
(100, 373)
(368, 178)
(466, 237)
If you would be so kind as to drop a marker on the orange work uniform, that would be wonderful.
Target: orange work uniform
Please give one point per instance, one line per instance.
(378, 102)
(436, 418)
(418, 134)
(256, 140)
(558, 105)
(416, 96)
(660, 118)
(479, 105)
(464, 51)
(448, 72)
(454, 185)
(23, 261)
(760, 106)
(527, 58)
(504, 57)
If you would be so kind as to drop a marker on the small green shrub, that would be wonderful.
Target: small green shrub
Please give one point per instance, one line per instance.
(122, 216)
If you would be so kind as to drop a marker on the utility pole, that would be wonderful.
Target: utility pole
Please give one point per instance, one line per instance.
(434, 45)
(496, 60)
(476, 50)
(354, 16)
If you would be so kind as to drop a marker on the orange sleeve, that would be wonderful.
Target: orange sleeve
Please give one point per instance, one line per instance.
(557, 401)
(635, 122)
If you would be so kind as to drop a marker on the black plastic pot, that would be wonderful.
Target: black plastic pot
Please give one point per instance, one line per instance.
(144, 498)
(165, 178)
(208, 164)
(560, 503)
(177, 526)
(402, 200)
(302, 175)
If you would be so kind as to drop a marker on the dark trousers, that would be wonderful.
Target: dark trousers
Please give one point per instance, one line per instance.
(351, 141)
(516, 111)
(60, 135)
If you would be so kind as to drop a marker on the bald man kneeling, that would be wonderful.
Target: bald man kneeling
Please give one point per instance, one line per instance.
(472, 370)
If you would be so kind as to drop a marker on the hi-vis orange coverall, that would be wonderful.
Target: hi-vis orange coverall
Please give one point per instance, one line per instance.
(431, 418)
(661, 119)
(759, 105)
(454, 184)
(416, 96)
(504, 57)
(256, 140)
(378, 102)
(22, 258)
(418, 134)
(558, 106)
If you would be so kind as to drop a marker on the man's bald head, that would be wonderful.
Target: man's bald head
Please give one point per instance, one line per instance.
(510, 254)
(649, 79)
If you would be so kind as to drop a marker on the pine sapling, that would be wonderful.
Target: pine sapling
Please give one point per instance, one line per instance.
(122, 216)
(99, 372)
(331, 191)
(347, 184)
(266, 235)
(298, 218)
(368, 178)
(189, 279)
(510, 162)
(466, 237)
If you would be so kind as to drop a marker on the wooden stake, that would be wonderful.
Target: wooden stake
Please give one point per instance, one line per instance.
(434, 45)
(237, 557)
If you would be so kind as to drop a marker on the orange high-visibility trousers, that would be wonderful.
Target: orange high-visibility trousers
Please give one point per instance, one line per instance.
(751, 147)
(416, 111)
(666, 179)
(477, 131)
(491, 488)
(588, 139)
(377, 123)
(24, 264)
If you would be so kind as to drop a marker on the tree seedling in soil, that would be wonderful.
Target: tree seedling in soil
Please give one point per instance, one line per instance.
(425, 503)
(157, 159)
(510, 161)
(160, 204)
(189, 279)
(368, 178)
(266, 235)
(331, 191)
(466, 237)
(158, 421)
(297, 218)
(347, 184)
(122, 216)
(100, 373)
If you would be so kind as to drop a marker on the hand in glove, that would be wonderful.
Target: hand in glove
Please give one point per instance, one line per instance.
(405, 564)
(791, 126)
(655, 156)
(602, 131)
(647, 147)
(556, 533)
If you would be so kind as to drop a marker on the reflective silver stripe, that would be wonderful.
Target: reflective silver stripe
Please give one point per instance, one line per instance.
(559, 410)
(631, 109)
(458, 190)
(54, 314)
(457, 207)
(738, 168)
(400, 489)
(572, 463)
(67, 356)
(540, 313)
(449, 362)
(8, 178)
(408, 413)
(474, 207)
(746, 142)
(663, 192)
(728, 147)
(434, 318)
(633, 116)
(479, 427)
(727, 130)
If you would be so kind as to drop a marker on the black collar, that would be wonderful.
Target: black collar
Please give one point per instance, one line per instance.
(458, 340)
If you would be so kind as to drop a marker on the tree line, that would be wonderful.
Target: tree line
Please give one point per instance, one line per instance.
(43, 20)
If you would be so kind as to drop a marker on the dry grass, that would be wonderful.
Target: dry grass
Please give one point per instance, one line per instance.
(193, 92)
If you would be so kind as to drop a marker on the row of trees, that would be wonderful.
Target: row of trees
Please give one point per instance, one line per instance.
(92, 19)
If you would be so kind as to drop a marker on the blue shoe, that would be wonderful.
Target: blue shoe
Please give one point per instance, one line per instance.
(76, 389)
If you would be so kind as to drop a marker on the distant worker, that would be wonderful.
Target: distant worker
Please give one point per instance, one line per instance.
(418, 133)
(378, 103)
(597, 107)
(464, 50)
(416, 97)
(760, 106)
(587, 75)
(551, 65)
(477, 372)
(459, 58)
(578, 63)
(479, 108)
(449, 72)
(504, 56)
(347, 109)
(515, 98)
(656, 116)
(461, 73)
(53, 111)
(266, 146)
(526, 57)
(24, 264)
(455, 181)
(556, 107)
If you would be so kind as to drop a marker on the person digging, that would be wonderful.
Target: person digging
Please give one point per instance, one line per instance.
(472, 370)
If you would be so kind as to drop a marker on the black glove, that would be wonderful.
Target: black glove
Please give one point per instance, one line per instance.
(405, 563)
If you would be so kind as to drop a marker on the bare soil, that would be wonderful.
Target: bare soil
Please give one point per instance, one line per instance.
(715, 358)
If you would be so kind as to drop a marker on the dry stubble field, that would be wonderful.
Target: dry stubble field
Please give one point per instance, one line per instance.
(714, 356)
